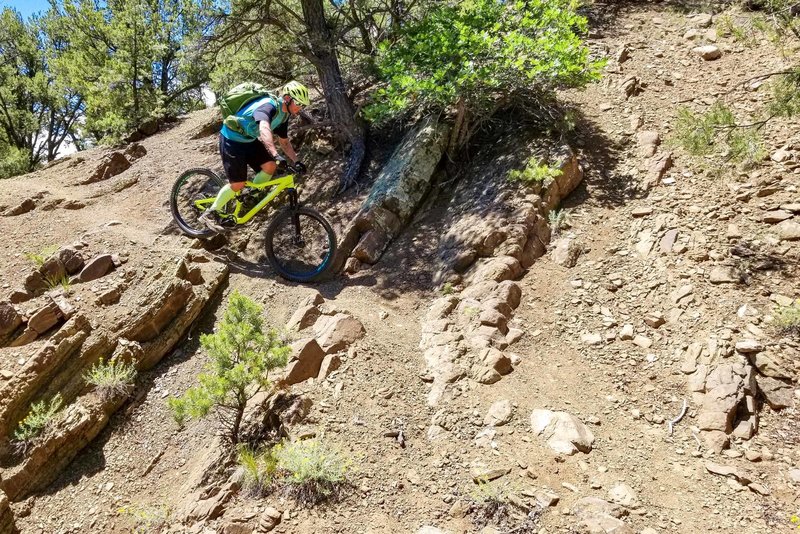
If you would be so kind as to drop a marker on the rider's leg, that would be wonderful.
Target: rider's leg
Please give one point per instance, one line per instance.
(234, 161)
(226, 194)
(266, 172)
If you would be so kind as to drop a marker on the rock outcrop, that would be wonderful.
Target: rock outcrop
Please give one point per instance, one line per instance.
(166, 307)
(398, 190)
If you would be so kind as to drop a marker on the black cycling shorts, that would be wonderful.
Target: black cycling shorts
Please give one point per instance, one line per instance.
(237, 156)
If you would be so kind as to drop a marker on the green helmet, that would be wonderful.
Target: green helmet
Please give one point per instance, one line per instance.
(298, 91)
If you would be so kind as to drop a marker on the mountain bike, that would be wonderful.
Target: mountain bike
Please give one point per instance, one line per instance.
(300, 242)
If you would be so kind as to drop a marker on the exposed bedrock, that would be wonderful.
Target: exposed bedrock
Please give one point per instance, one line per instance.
(143, 332)
(488, 245)
(7, 525)
(402, 184)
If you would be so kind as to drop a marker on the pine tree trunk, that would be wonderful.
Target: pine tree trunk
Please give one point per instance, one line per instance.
(322, 53)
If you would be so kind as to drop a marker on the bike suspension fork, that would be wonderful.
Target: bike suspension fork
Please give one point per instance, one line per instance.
(293, 205)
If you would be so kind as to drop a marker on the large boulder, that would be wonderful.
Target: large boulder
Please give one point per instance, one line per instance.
(564, 433)
(304, 362)
(339, 332)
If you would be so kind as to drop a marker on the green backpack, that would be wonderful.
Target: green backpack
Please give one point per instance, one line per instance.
(237, 98)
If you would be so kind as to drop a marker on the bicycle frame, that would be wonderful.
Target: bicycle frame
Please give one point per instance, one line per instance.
(280, 184)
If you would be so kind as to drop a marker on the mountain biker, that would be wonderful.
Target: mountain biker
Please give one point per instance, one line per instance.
(259, 121)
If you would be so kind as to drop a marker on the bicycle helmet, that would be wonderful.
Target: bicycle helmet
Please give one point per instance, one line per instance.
(298, 91)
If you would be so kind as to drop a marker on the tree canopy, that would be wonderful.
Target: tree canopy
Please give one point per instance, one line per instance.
(92, 71)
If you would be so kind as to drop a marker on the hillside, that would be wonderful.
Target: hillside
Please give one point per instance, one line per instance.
(545, 338)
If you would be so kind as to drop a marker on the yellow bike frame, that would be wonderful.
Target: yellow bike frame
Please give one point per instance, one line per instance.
(280, 184)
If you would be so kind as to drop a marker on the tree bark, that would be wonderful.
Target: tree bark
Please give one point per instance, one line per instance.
(321, 51)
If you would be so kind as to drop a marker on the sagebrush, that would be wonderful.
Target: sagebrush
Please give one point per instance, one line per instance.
(787, 319)
(311, 471)
(42, 415)
(147, 519)
(113, 378)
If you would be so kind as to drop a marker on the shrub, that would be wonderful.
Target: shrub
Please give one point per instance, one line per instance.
(478, 55)
(718, 132)
(787, 319)
(43, 414)
(242, 356)
(490, 503)
(557, 220)
(311, 471)
(147, 519)
(259, 469)
(112, 378)
(535, 171)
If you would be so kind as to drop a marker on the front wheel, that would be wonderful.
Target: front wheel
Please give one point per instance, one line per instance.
(300, 244)
(194, 192)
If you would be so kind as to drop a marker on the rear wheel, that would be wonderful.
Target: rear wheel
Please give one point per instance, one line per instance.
(300, 244)
(194, 192)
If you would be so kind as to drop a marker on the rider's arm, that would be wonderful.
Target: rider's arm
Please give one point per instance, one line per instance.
(265, 136)
(288, 149)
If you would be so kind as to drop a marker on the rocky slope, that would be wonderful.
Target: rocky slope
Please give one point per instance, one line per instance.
(462, 354)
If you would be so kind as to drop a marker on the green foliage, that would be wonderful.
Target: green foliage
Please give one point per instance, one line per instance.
(478, 51)
(259, 469)
(54, 281)
(787, 319)
(696, 132)
(112, 378)
(242, 356)
(41, 256)
(42, 415)
(786, 95)
(131, 60)
(717, 132)
(557, 219)
(447, 289)
(727, 25)
(535, 171)
(37, 110)
(13, 161)
(147, 519)
(310, 470)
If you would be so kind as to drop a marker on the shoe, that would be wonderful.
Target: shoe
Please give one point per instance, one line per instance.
(209, 220)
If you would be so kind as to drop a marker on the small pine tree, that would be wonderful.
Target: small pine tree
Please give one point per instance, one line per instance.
(242, 356)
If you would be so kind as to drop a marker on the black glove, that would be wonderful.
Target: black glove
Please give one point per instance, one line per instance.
(280, 160)
(299, 167)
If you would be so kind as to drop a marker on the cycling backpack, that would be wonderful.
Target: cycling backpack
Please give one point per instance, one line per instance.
(239, 96)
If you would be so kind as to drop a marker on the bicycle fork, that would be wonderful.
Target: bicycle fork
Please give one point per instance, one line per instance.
(297, 239)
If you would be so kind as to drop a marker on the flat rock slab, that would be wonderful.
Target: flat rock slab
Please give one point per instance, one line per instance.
(722, 274)
(776, 216)
(789, 230)
(708, 52)
(564, 433)
(96, 268)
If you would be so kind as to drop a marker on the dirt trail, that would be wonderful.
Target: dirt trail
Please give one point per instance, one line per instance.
(625, 392)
